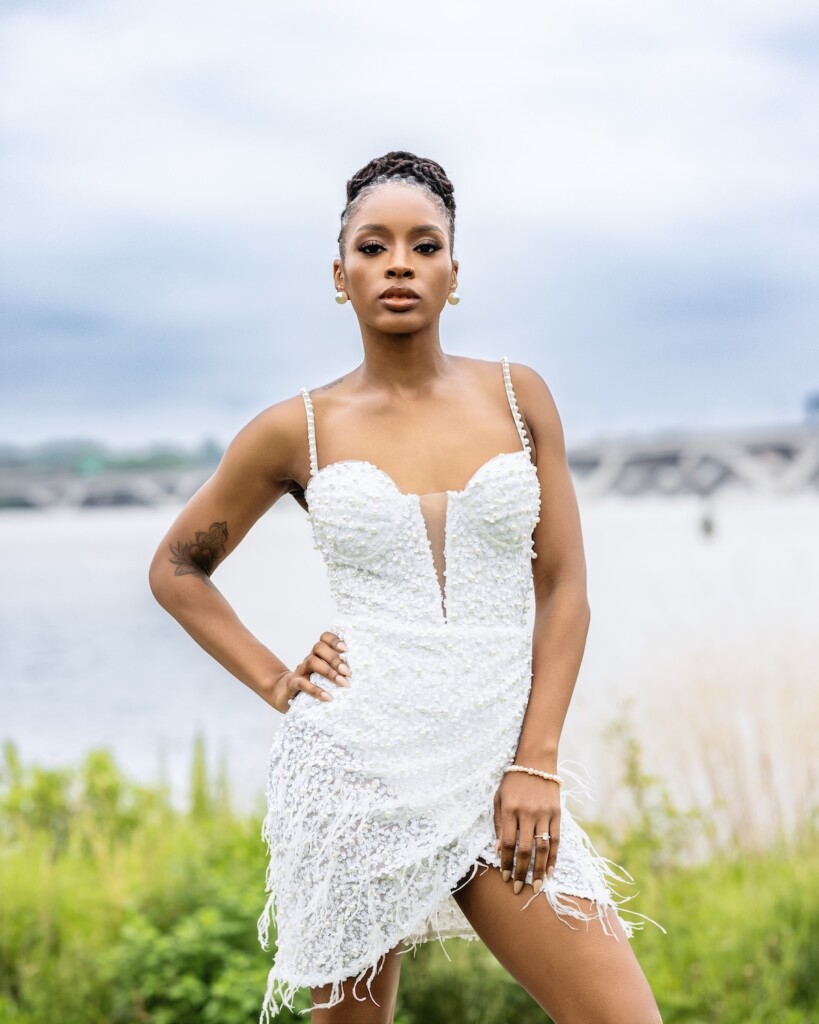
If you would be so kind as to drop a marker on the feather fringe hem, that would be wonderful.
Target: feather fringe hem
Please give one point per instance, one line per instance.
(282, 985)
(281, 990)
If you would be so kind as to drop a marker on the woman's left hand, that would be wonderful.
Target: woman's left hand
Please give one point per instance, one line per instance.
(527, 808)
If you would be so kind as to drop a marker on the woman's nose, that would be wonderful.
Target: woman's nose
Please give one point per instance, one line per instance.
(400, 270)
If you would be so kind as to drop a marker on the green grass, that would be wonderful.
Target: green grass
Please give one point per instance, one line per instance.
(115, 907)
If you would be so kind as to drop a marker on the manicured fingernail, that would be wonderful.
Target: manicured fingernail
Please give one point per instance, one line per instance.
(507, 875)
(537, 885)
(550, 871)
(343, 669)
(325, 695)
(518, 885)
(341, 645)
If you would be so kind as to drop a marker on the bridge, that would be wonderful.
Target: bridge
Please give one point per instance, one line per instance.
(766, 460)
(774, 461)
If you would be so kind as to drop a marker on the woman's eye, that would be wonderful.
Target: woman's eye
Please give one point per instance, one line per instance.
(372, 248)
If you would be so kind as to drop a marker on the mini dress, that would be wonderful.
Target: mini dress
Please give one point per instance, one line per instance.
(380, 802)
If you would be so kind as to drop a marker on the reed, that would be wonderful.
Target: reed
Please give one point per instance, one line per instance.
(725, 757)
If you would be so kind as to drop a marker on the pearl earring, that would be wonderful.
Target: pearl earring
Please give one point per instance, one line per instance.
(453, 298)
(341, 297)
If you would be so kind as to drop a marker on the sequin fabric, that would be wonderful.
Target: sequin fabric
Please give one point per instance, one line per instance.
(380, 801)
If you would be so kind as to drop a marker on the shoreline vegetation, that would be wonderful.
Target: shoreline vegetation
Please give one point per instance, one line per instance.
(119, 907)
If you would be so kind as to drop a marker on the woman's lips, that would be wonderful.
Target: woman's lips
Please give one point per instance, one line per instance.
(399, 303)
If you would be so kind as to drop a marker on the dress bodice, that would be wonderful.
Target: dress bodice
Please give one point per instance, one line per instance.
(454, 558)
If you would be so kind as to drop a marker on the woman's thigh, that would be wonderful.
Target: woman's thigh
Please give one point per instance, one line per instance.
(576, 972)
(362, 1010)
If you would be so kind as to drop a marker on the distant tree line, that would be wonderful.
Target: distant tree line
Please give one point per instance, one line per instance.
(87, 458)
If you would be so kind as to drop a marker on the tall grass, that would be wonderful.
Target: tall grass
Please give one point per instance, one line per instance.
(118, 908)
(745, 760)
(737, 774)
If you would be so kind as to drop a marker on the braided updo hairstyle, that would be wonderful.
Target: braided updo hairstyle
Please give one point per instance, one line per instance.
(399, 165)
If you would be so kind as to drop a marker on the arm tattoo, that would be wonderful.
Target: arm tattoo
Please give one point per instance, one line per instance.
(199, 557)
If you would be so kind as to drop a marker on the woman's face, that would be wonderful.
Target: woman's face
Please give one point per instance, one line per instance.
(397, 269)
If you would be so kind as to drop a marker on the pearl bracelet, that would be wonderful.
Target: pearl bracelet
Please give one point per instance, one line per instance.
(534, 771)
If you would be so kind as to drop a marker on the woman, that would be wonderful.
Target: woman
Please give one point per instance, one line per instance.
(414, 790)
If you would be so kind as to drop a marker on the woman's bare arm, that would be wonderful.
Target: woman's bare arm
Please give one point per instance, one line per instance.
(255, 471)
(527, 808)
(562, 613)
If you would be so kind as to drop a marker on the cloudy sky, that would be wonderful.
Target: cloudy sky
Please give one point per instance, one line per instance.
(637, 189)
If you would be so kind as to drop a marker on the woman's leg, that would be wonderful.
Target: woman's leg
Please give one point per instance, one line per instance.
(576, 972)
(362, 1010)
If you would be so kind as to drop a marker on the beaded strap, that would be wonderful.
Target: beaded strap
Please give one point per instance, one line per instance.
(513, 404)
(311, 430)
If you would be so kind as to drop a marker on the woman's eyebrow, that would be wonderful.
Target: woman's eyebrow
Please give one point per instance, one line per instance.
(419, 230)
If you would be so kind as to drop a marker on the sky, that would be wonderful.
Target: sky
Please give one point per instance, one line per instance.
(637, 189)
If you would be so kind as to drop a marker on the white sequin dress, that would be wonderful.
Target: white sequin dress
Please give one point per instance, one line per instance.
(380, 800)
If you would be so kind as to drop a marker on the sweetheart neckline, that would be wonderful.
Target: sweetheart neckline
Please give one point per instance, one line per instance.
(412, 494)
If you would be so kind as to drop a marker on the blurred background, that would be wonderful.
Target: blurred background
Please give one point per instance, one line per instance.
(638, 191)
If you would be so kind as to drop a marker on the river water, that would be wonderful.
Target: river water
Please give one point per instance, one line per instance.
(708, 643)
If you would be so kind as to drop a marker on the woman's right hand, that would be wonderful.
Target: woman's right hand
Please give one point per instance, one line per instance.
(326, 659)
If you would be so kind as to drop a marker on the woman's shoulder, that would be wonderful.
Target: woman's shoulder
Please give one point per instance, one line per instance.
(333, 392)
(532, 395)
(274, 441)
(524, 377)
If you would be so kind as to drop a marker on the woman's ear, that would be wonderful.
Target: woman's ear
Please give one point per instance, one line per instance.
(453, 281)
(338, 275)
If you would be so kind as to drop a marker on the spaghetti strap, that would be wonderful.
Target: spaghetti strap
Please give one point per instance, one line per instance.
(513, 405)
(311, 430)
